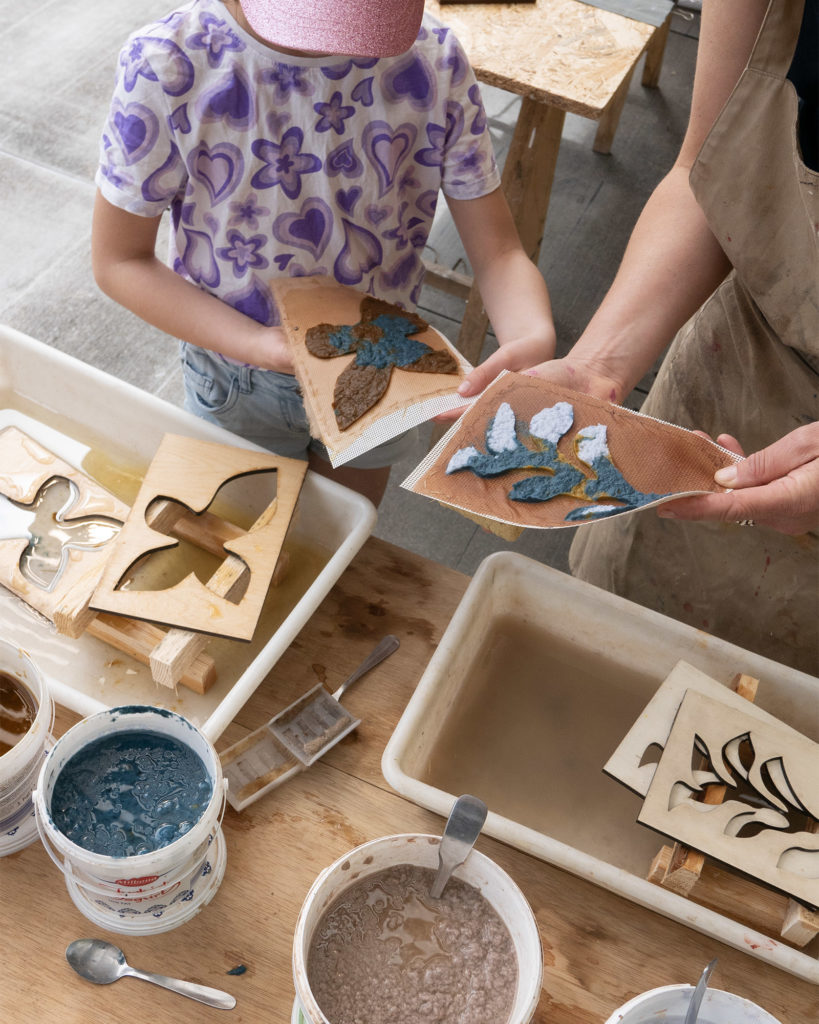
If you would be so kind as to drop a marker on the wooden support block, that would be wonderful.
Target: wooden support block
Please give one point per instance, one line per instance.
(138, 639)
(743, 900)
(801, 924)
(204, 529)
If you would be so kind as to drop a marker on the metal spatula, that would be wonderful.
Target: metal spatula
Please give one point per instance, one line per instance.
(317, 721)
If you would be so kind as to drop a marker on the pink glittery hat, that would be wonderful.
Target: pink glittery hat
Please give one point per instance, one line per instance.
(356, 28)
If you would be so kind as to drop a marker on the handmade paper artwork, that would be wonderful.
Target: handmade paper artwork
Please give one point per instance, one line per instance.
(764, 826)
(368, 370)
(529, 453)
(382, 341)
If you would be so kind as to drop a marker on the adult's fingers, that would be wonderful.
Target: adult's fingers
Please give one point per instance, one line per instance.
(789, 453)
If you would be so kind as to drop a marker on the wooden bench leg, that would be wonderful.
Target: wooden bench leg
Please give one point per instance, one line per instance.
(655, 51)
(610, 118)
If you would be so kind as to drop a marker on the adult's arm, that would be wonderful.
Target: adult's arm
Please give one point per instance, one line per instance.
(127, 269)
(672, 262)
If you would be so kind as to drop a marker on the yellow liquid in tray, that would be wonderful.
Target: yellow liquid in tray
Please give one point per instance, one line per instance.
(121, 473)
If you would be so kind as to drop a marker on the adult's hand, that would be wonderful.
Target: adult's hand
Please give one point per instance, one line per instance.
(579, 375)
(777, 486)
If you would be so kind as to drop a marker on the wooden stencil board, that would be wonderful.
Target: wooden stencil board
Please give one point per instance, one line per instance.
(654, 725)
(191, 472)
(306, 302)
(779, 764)
(25, 467)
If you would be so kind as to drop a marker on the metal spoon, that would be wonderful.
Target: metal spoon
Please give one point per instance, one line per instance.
(102, 963)
(462, 829)
(698, 994)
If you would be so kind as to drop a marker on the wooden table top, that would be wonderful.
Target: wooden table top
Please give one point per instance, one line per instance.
(599, 949)
(562, 52)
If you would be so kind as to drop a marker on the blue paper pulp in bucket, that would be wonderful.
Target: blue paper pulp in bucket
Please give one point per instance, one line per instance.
(151, 892)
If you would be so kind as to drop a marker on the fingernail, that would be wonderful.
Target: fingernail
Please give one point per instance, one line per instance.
(726, 476)
(465, 388)
(531, 373)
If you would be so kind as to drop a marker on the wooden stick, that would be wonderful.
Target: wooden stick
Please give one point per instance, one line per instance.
(173, 656)
(206, 530)
(138, 639)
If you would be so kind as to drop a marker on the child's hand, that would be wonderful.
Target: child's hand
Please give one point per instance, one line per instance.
(271, 350)
(514, 355)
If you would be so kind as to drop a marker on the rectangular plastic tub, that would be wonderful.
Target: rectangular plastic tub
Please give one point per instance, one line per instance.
(97, 422)
(534, 684)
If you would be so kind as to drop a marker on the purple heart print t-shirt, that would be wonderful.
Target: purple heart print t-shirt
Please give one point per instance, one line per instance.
(274, 165)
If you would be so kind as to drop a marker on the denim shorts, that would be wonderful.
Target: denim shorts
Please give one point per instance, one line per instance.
(265, 407)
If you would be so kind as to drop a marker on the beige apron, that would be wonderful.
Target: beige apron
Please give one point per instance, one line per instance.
(746, 364)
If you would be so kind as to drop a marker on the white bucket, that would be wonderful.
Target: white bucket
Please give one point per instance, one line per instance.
(151, 892)
(668, 1005)
(422, 851)
(20, 765)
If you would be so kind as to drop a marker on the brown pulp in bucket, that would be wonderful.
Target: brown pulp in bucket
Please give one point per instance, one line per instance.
(18, 709)
(386, 952)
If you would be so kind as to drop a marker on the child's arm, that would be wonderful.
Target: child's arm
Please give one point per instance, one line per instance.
(127, 269)
(513, 291)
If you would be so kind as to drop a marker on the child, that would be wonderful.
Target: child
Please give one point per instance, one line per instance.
(277, 156)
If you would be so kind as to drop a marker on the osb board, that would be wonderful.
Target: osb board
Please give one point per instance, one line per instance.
(562, 52)
(306, 302)
(191, 472)
(25, 467)
(659, 459)
(755, 834)
(653, 726)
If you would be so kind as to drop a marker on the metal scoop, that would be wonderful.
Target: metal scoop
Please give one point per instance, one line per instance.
(462, 829)
(698, 994)
(103, 963)
(317, 721)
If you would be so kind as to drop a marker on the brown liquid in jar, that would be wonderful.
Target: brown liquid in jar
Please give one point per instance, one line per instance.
(18, 708)
(385, 952)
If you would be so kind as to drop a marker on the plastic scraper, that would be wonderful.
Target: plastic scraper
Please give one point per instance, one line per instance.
(296, 737)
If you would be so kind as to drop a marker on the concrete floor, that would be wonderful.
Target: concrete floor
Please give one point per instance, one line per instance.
(56, 74)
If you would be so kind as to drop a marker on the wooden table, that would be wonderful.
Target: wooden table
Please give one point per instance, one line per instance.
(599, 949)
(560, 56)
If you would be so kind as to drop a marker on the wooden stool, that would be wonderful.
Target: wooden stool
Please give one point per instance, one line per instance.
(560, 56)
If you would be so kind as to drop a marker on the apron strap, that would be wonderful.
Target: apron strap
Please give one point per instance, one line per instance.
(776, 42)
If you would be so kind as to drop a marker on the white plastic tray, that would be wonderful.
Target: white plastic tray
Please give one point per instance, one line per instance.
(71, 407)
(630, 650)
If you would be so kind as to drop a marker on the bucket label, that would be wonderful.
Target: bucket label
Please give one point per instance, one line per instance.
(137, 882)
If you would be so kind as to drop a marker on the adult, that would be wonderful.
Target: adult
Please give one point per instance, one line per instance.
(725, 256)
